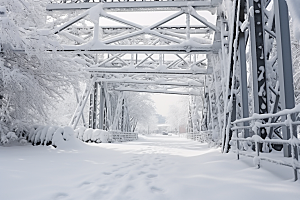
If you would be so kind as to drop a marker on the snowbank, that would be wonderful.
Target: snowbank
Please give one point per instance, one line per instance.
(92, 135)
(59, 137)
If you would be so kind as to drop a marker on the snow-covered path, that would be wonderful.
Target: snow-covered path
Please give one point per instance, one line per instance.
(154, 167)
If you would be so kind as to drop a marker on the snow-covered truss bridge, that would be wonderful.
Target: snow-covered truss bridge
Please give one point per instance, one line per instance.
(237, 66)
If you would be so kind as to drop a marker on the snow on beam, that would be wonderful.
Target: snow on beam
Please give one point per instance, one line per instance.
(194, 93)
(159, 82)
(166, 49)
(148, 71)
(202, 20)
(174, 29)
(136, 6)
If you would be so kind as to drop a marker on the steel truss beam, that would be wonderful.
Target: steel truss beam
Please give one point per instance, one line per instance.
(168, 83)
(157, 91)
(136, 5)
(147, 71)
(167, 49)
(174, 28)
(149, 62)
(176, 42)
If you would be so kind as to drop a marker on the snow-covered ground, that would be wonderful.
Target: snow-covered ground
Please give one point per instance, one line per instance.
(153, 167)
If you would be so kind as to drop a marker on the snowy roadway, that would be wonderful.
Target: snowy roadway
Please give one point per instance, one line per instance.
(154, 167)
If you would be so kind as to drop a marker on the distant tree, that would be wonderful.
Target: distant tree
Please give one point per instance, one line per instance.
(140, 108)
(178, 114)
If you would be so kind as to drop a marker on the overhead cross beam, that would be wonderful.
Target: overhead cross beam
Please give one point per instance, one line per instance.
(148, 71)
(158, 91)
(176, 42)
(136, 5)
(158, 82)
(166, 49)
(179, 29)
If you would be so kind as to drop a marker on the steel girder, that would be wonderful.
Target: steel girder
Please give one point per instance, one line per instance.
(285, 70)
(257, 38)
(132, 5)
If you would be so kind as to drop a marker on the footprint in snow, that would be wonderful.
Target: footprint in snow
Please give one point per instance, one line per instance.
(119, 175)
(141, 173)
(60, 196)
(151, 175)
(145, 165)
(156, 190)
(128, 188)
(102, 186)
(85, 183)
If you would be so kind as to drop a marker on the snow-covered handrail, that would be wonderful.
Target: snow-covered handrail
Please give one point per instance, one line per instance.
(256, 139)
(256, 116)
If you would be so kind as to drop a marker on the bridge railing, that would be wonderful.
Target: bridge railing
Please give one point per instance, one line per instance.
(240, 145)
(119, 136)
(203, 136)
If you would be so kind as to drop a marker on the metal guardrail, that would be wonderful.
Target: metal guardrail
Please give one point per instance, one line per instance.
(240, 145)
(120, 136)
(203, 136)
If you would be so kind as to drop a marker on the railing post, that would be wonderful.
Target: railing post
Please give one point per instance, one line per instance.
(257, 148)
(294, 150)
(237, 143)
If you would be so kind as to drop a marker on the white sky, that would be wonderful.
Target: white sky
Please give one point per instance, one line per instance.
(164, 101)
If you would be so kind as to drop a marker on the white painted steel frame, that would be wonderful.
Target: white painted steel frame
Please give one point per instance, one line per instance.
(138, 5)
(156, 91)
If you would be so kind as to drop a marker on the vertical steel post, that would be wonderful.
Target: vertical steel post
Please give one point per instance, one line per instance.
(243, 68)
(94, 122)
(101, 106)
(285, 70)
(256, 9)
(91, 110)
(231, 84)
(122, 115)
(190, 120)
(211, 108)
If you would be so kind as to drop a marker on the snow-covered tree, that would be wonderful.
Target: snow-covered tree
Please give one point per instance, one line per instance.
(140, 108)
(178, 114)
(32, 72)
